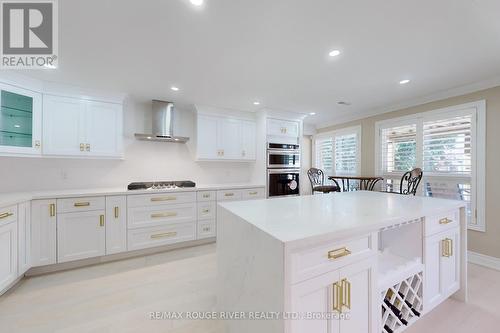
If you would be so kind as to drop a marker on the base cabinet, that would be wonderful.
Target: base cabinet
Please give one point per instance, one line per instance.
(442, 267)
(8, 254)
(344, 300)
(116, 224)
(80, 235)
(43, 232)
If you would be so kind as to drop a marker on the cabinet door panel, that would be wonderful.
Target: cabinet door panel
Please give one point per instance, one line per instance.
(248, 133)
(116, 224)
(103, 129)
(24, 236)
(8, 254)
(432, 281)
(450, 264)
(63, 131)
(80, 235)
(207, 138)
(43, 232)
(229, 138)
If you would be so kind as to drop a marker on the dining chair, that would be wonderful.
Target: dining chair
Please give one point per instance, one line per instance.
(317, 179)
(410, 181)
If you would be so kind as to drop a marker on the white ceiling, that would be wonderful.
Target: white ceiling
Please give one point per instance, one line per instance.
(230, 53)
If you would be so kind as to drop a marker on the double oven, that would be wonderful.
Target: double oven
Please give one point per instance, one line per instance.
(283, 169)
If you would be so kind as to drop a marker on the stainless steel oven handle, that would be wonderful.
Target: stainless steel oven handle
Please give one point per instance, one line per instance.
(274, 171)
(283, 152)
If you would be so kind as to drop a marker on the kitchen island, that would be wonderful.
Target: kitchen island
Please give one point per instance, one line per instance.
(352, 262)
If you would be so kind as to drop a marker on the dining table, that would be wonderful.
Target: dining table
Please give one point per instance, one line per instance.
(355, 183)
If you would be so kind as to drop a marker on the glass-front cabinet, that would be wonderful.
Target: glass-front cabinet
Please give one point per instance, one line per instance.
(20, 121)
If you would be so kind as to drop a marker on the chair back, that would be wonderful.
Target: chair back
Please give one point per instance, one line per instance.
(410, 181)
(316, 177)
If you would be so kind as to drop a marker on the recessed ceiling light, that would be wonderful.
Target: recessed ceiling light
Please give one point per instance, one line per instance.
(334, 53)
(256, 103)
(196, 2)
(312, 113)
(174, 88)
(404, 81)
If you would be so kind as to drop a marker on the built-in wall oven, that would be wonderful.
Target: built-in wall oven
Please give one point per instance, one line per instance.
(283, 169)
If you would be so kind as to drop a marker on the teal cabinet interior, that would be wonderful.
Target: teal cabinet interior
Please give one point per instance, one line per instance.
(16, 119)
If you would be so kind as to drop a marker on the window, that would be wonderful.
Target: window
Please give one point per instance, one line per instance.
(448, 144)
(338, 152)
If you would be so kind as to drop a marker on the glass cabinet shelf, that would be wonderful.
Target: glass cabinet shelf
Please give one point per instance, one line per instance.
(16, 119)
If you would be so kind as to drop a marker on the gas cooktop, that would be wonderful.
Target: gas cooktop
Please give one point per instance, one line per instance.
(162, 185)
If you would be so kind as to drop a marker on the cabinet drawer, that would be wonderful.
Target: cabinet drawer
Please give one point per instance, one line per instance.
(8, 214)
(206, 229)
(207, 196)
(163, 235)
(82, 204)
(253, 193)
(306, 264)
(160, 199)
(229, 195)
(139, 217)
(206, 210)
(437, 223)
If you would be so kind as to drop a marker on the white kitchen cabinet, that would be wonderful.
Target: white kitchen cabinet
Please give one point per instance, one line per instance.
(221, 138)
(116, 224)
(43, 232)
(442, 267)
(8, 254)
(80, 128)
(349, 293)
(80, 235)
(20, 121)
(282, 128)
(24, 237)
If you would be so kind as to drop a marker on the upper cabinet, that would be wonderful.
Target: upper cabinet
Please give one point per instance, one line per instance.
(282, 128)
(81, 128)
(20, 121)
(223, 138)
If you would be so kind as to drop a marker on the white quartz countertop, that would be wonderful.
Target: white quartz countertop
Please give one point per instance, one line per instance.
(12, 198)
(337, 214)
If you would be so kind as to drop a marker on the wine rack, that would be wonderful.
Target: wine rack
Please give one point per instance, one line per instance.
(402, 304)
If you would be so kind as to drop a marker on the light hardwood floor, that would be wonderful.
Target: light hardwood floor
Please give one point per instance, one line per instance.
(118, 297)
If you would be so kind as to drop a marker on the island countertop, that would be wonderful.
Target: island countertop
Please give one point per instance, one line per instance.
(344, 214)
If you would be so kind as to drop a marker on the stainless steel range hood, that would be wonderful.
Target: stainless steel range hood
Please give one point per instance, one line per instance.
(163, 124)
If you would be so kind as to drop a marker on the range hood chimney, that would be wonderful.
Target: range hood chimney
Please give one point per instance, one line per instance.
(163, 124)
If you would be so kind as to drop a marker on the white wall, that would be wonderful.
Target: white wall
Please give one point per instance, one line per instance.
(143, 161)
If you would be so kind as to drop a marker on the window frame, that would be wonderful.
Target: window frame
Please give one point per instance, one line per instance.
(478, 175)
(332, 134)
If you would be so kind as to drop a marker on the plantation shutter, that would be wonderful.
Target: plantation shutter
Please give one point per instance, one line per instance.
(399, 148)
(346, 154)
(324, 155)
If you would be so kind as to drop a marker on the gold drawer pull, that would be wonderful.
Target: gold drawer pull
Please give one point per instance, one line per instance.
(82, 204)
(206, 211)
(445, 220)
(5, 215)
(338, 253)
(336, 297)
(101, 220)
(163, 199)
(346, 293)
(52, 210)
(206, 229)
(253, 193)
(206, 195)
(229, 194)
(167, 214)
(447, 247)
(164, 235)
(117, 212)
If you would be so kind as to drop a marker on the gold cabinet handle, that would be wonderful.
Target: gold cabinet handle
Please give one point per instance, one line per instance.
(253, 193)
(164, 235)
(163, 199)
(160, 215)
(52, 210)
(338, 253)
(5, 215)
(206, 195)
(447, 247)
(229, 194)
(82, 147)
(346, 293)
(445, 220)
(101, 220)
(117, 212)
(82, 204)
(87, 147)
(37, 144)
(337, 297)
(206, 229)
(206, 210)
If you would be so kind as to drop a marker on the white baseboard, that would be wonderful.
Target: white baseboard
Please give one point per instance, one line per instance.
(484, 260)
